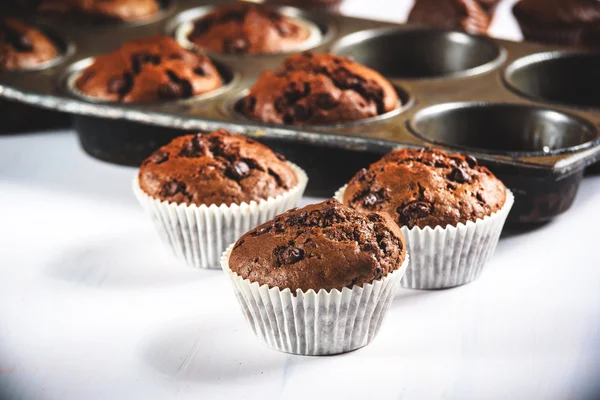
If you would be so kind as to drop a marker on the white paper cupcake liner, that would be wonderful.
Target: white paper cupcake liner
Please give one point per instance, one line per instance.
(454, 255)
(200, 234)
(311, 323)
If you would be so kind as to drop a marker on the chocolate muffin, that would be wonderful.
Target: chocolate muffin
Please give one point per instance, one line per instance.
(120, 10)
(318, 89)
(246, 28)
(419, 187)
(465, 15)
(22, 46)
(328, 5)
(321, 246)
(215, 168)
(556, 21)
(149, 69)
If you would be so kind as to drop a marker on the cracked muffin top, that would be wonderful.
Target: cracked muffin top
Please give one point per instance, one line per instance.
(22, 46)
(246, 28)
(149, 69)
(321, 246)
(464, 15)
(215, 168)
(120, 10)
(423, 187)
(314, 89)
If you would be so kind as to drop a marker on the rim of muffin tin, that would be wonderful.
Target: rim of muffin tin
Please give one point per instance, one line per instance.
(437, 109)
(182, 24)
(406, 102)
(75, 70)
(65, 47)
(539, 58)
(362, 36)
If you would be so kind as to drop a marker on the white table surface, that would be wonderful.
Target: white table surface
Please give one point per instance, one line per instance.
(93, 307)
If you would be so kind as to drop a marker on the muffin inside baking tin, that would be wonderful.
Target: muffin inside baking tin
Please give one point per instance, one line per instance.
(568, 78)
(421, 53)
(183, 24)
(504, 128)
(228, 76)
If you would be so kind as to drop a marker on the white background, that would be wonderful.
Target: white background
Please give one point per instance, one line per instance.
(92, 306)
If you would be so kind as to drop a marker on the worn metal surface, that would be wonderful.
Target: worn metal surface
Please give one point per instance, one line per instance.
(450, 83)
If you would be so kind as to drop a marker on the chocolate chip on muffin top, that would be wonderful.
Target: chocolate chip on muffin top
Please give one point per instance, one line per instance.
(313, 89)
(149, 69)
(215, 168)
(22, 46)
(465, 15)
(321, 246)
(419, 187)
(123, 10)
(246, 28)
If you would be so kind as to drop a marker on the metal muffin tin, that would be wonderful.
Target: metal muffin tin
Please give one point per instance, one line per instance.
(528, 111)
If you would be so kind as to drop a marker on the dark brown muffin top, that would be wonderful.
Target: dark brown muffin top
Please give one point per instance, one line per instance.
(246, 28)
(419, 187)
(321, 246)
(215, 168)
(465, 15)
(22, 46)
(558, 12)
(313, 89)
(149, 69)
(121, 10)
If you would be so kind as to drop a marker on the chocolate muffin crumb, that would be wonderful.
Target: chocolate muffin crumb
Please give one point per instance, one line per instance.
(245, 28)
(120, 10)
(215, 168)
(465, 15)
(313, 89)
(22, 46)
(321, 246)
(149, 69)
(420, 187)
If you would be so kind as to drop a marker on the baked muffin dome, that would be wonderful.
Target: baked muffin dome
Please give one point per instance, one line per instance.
(556, 21)
(123, 10)
(246, 28)
(149, 69)
(465, 15)
(22, 46)
(421, 187)
(314, 89)
(321, 246)
(215, 168)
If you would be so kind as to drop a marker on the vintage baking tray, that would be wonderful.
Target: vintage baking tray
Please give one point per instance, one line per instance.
(526, 110)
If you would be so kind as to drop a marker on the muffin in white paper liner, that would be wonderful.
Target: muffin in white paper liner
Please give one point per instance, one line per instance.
(451, 256)
(200, 234)
(315, 323)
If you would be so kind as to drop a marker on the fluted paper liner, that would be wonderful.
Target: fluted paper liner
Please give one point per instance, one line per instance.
(450, 256)
(315, 323)
(200, 234)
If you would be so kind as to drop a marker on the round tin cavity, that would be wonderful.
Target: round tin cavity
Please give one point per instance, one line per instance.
(568, 78)
(421, 54)
(512, 129)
